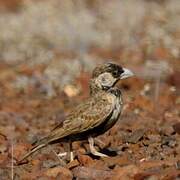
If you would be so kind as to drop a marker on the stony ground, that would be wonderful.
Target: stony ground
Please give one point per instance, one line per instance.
(44, 74)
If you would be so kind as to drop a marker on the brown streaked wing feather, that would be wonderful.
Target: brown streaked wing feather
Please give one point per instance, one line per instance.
(86, 116)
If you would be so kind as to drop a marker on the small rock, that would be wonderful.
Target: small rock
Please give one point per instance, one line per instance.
(169, 141)
(3, 148)
(91, 173)
(71, 90)
(174, 79)
(4, 173)
(85, 159)
(178, 165)
(154, 138)
(153, 177)
(135, 136)
(176, 127)
(20, 149)
(3, 158)
(119, 160)
(126, 172)
(72, 164)
(49, 164)
(145, 176)
(54, 172)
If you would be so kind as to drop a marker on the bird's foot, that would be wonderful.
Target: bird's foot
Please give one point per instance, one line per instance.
(93, 150)
(96, 153)
(62, 154)
(66, 154)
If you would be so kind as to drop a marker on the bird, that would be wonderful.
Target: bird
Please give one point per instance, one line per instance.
(95, 115)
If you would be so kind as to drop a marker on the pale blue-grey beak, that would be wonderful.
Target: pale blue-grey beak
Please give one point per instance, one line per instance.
(126, 74)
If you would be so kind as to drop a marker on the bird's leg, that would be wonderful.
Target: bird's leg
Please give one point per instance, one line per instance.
(71, 152)
(93, 150)
(68, 152)
(62, 154)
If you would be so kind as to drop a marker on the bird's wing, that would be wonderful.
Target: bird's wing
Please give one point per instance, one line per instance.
(86, 116)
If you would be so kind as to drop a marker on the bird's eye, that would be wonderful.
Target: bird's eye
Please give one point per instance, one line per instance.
(115, 73)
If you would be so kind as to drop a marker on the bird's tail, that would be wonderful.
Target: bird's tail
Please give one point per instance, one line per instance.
(36, 146)
(53, 136)
(33, 150)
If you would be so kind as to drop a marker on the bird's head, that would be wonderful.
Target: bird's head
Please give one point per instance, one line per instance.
(105, 76)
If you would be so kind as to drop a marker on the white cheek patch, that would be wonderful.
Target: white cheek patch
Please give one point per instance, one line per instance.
(106, 79)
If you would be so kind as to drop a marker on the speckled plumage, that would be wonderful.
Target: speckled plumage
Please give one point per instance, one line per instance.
(95, 115)
(86, 116)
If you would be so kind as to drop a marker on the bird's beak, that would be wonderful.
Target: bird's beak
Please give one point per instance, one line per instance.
(126, 74)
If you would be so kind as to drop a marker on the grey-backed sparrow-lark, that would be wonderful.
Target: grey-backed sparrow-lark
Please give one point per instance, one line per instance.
(95, 115)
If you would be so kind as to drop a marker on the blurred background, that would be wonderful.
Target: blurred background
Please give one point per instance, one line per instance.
(57, 40)
(49, 48)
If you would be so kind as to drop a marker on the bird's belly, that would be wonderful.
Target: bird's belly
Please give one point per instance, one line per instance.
(111, 120)
(116, 111)
(115, 115)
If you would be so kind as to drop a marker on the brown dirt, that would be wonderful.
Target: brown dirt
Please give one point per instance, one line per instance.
(143, 145)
